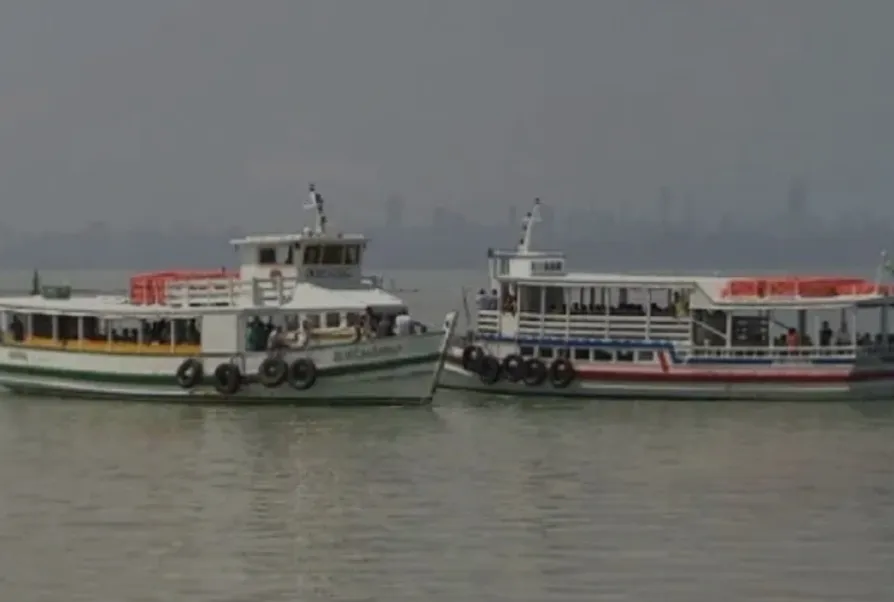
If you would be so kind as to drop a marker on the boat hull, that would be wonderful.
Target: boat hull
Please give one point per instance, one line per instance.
(393, 371)
(696, 384)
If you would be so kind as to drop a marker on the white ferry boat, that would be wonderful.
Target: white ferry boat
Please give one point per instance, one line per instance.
(541, 330)
(295, 325)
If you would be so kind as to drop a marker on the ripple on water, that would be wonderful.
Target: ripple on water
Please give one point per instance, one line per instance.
(488, 501)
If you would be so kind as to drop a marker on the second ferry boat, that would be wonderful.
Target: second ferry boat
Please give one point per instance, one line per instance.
(541, 330)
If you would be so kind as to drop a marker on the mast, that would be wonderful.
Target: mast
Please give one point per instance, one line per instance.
(315, 202)
(531, 218)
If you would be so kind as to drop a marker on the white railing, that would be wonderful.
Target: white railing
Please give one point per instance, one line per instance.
(228, 291)
(595, 326)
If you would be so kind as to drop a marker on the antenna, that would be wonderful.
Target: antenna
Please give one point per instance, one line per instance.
(531, 218)
(315, 202)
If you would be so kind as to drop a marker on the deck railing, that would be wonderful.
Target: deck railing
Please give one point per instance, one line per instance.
(228, 291)
(586, 326)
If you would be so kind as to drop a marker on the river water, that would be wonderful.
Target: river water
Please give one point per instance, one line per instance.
(472, 499)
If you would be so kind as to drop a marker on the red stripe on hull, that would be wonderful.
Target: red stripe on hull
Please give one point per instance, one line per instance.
(587, 374)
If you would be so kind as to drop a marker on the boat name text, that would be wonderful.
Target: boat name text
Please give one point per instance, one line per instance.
(365, 353)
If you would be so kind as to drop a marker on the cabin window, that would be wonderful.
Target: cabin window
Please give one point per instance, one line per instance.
(313, 320)
(503, 267)
(333, 254)
(526, 351)
(267, 255)
(333, 320)
(290, 257)
(352, 319)
(646, 356)
(546, 352)
(311, 255)
(581, 354)
(352, 254)
(625, 356)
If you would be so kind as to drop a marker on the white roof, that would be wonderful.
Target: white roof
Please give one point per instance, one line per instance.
(711, 286)
(310, 297)
(305, 297)
(267, 239)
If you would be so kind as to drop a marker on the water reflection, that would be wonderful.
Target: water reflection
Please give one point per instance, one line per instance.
(625, 501)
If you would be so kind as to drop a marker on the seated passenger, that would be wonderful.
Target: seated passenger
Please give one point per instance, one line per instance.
(825, 335)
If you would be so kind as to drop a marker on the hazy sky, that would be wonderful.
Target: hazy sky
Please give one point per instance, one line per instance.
(220, 111)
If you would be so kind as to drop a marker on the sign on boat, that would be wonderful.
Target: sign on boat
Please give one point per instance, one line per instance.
(540, 329)
(297, 323)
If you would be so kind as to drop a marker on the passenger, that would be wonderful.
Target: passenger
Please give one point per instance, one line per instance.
(403, 324)
(481, 299)
(843, 338)
(384, 328)
(792, 339)
(276, 339)
(825, 335)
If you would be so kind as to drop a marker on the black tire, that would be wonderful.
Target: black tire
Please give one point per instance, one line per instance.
(514, 368)
(535, 372)
(489, 370)
(273, 371)
(190, 373)
(561, 373)
(472, 357)
(227, 379)
(302, 374)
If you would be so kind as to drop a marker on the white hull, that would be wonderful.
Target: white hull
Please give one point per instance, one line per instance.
(619, 388)
(384, 372)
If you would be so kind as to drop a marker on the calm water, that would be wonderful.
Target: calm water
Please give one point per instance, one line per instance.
(473, 499)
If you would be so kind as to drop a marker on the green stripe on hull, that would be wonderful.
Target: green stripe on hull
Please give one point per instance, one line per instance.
(218, 400)
(170, 380)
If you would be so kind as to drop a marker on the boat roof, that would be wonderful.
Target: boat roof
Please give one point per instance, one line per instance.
(310, 297)
(304, 297)
(712, 286)
(269, 239)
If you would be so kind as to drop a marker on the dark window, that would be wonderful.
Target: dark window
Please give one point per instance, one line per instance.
(312, 255)
(646, 356)
(546, 352)
(267, 255)
(332, 254)
(581, 354)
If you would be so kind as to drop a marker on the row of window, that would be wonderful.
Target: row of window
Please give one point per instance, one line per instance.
(314, 254)
(584, 354)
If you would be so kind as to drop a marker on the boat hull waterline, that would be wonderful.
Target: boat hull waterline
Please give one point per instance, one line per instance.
(666, 382)
(392, 371)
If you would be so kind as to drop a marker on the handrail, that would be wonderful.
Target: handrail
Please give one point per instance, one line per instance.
(710, 328)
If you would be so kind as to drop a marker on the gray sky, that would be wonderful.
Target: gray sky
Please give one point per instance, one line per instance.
(220, 111)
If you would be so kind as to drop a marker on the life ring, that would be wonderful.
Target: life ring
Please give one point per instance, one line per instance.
(227, 379)
(302, 374)
(190, 373)
(272, 371)
(535, 372)
(514, 367)
(489, 370)
(561, 373)
(472, 356)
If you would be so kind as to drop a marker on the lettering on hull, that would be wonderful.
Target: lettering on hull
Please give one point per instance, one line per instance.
(366, 353)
